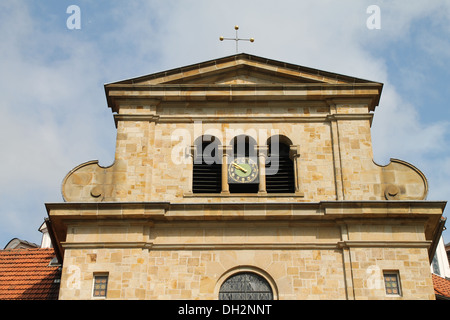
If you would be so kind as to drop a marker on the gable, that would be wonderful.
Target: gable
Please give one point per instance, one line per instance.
(242, 77)
(243, 69)
(240, 74)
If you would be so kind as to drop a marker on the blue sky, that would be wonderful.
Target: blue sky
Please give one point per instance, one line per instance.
(53, 108)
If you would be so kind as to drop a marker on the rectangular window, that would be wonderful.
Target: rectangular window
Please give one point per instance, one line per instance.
(100, 286)
(392, 282)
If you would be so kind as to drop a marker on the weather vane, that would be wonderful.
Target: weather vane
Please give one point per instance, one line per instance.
(237, 39)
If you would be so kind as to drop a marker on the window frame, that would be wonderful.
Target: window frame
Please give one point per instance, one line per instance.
(245, 292)
(396, 274)
(96, 276)
(244, 269)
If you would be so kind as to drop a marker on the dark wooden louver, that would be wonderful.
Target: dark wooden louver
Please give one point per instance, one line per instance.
(207, 178)
(207, 171)
(283, 181)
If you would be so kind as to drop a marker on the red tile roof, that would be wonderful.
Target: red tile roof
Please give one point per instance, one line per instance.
(25, 274)
(441, 286)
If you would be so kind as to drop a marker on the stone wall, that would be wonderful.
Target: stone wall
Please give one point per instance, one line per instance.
(333, 146)
(302, 260)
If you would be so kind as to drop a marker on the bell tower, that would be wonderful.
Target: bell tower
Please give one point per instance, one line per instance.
(245, 170)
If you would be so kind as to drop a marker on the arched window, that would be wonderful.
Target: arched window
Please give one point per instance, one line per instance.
(245, 286)
(280, 175)
(243, 146)
(207, 174)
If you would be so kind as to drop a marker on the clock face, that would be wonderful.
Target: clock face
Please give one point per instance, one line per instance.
(243, 170)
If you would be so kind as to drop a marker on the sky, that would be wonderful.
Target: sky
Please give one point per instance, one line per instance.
(54, 114)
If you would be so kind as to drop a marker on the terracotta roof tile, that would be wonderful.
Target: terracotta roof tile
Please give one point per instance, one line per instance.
(441, 286)
(27, 275)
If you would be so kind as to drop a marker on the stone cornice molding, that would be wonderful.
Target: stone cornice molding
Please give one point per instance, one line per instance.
(247, 246)
(244, 92)
(240, 119)
(329, 207)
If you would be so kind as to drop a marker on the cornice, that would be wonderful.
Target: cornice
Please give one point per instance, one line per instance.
(240, 119)
(192, 210)
(248, 246)
(242, 92)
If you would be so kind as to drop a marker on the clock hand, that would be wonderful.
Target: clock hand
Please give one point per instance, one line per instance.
(239, 167)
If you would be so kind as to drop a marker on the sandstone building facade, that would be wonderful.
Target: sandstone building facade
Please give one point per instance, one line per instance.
(245, 177)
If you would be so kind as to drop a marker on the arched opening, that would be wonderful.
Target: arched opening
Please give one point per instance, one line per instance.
(246, 286)
(243, 146)
(280, 174)
(207, 172)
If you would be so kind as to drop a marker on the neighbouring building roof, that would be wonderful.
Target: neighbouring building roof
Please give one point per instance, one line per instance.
(29, 274)
(441, 287)
(17, 243)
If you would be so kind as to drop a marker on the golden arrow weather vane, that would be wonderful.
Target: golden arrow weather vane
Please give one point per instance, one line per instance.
(237, 39)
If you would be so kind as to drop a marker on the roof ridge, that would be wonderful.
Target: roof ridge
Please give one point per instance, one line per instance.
(27, 249)
(250, 58)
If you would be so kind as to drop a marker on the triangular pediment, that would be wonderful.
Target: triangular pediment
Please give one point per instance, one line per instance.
(242, 69)
(241, 73)
(243, 77)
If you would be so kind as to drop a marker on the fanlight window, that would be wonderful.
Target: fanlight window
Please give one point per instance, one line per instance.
(245, 286)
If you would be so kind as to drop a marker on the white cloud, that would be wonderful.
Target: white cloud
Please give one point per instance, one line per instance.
(48, 121)
(398, 131)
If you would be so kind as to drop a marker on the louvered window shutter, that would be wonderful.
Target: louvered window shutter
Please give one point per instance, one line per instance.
(207, 172)
(281, 180)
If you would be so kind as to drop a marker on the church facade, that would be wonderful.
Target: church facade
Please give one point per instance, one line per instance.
(245, 178)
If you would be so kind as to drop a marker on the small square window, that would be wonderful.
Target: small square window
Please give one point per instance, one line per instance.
(391, 282)
(100, 286)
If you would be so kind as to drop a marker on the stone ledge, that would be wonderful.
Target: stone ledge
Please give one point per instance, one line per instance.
(244, 195)
(384, 244)
(344, 208)
(247, 246)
